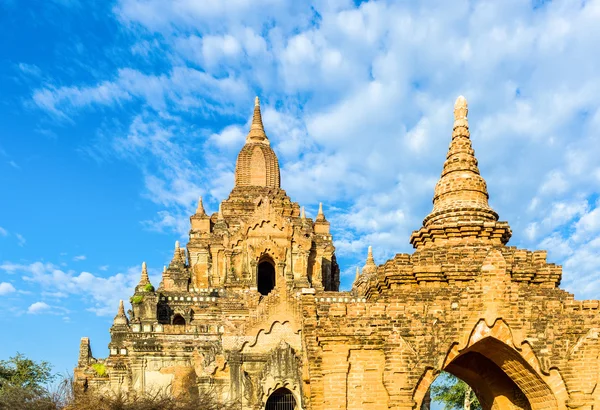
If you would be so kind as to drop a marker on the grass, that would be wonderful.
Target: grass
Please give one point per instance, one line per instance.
(69, 397)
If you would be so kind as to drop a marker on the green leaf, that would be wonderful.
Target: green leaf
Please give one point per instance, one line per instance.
(450, 391)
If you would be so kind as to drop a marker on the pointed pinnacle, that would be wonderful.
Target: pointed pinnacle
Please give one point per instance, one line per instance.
(120, 318)
(320, 214)
(177, 252)
(370, 266)
(357, 274)
(370, 259)
(121, 311)
(461, 109)
(164, 269)
(257, 130)
(144, 278)
(200, 208)
(302, 214)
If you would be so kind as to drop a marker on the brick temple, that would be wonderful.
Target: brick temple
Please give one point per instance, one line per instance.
(251, 308)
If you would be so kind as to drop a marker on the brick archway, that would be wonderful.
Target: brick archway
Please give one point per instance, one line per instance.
(499, 375)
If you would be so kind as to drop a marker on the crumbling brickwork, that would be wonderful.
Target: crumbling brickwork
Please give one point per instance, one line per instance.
(252, 308)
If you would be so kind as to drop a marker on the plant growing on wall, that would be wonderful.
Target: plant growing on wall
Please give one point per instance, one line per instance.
(100, 369)
(137, 299)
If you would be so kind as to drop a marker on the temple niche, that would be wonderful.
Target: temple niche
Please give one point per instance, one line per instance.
(250, 307)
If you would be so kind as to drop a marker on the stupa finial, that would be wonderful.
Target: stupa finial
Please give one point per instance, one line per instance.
(200, 209)
(461, 108)
(257, 130)
(461, 193)
(320, 214)
(121, 318)
(370, 266)
(144, 279)
(121, 311)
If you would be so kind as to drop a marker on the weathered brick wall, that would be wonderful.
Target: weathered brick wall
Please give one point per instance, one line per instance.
(538, 339)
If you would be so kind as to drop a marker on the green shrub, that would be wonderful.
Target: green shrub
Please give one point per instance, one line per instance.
(25, 392)
(149, 287)
(137, 299)
(100, 369)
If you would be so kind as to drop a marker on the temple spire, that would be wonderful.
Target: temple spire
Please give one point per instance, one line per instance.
(121, 318)
(461, 193)
(370, 259)
(460, 202)
(320, 214)
(357, 274)
(302, 214)
(220, 216)
(144, 279)
(257, 130)
(200, 209)
(370, 266)
(144, 285)
(177, 259)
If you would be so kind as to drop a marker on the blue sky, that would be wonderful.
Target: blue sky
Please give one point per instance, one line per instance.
(117, 115)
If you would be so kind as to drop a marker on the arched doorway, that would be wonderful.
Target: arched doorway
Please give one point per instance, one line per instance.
(492, 386)
(498, 375)
(178, 320)
(266, 277)
(281, 399)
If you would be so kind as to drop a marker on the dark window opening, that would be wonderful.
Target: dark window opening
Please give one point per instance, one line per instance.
(281, 399)
(178, 320)
(266, 278)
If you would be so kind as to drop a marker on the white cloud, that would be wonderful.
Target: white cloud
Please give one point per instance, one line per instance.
(38, 307)
(30, 69)
(10, 267)
(184, 87)
(230, 136)
(51, 99)
(79, 258)
(159, 15)
(3, 232)
(170, 222)
(6, 288)
(99, 294)
(588, 224)
(358, 106)
(20, 239)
